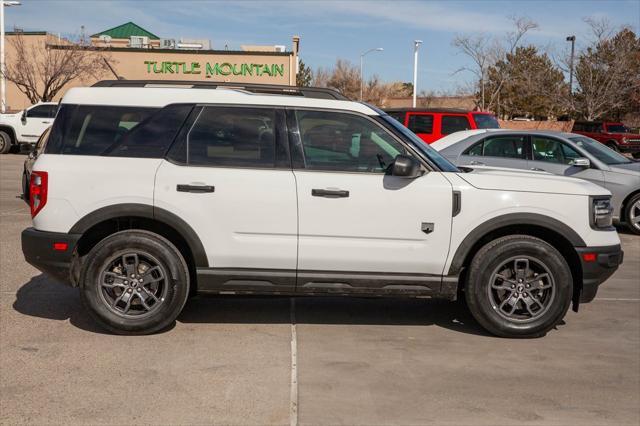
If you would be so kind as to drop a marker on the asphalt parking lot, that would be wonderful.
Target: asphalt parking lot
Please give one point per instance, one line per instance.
(356, 361)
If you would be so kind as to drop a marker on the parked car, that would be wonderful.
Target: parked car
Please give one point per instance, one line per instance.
(616, 136)
(433, 124)
(566, 154)
(30, 160)
(233, 192)
(24, 128)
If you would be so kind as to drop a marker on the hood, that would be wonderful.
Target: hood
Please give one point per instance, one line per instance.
(632, 168)
(503, 179)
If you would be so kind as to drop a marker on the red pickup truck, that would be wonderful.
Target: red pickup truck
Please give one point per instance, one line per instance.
(615, 135)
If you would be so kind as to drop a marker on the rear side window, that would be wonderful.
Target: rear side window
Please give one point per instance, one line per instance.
(486, 121)
(92, 129)
(152, 137)
(421, 123)
(233, 137)
(454, 123)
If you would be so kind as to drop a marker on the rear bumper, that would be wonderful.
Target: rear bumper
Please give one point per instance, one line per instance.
(598, 264)
(38, 250)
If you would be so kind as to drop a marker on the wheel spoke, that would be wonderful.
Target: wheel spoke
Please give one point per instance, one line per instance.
(130, 262)
(150, 294)
(143, 300)
(521, 267)
(117, 280)
(149, 277)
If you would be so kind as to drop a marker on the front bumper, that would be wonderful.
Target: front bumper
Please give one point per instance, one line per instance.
(38, 249)
(598, 264)
(629, 147)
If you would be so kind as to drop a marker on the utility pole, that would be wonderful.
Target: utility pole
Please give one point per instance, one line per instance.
(3, 84)
(376, 49)
(416, 44)
(572, 39)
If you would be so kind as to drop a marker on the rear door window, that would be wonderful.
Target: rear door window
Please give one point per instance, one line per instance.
(233, 137)
(500, 146)
(398, 115)
(454, 123)
(92, 129)
(421, 123)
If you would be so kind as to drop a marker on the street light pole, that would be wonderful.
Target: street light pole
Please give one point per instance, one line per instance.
(376, 49)
(3, 87)
(572, 39)
(416, 44)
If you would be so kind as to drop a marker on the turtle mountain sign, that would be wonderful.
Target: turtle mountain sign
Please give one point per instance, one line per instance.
(212, 69)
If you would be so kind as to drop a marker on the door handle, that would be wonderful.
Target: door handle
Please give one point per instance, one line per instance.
(330, 193)
(477, 163)
(536, 169)
(195, 188)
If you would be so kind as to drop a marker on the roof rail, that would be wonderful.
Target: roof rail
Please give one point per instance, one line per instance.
(270, 89)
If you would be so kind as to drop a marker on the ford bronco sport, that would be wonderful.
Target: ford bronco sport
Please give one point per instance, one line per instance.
(145, 195)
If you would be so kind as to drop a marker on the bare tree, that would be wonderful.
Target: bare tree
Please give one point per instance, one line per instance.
(40, 70)
(485, 52)
(608, 73)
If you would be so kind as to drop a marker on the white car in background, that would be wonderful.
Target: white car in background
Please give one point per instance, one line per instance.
(25, 127)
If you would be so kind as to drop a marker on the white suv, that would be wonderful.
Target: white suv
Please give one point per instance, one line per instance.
(146, 195)
(25, 127)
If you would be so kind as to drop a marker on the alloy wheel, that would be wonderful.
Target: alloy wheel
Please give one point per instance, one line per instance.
(134, 284)
(522, 289)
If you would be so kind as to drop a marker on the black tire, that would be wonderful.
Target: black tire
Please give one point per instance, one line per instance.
(632, 212)
(169, 294)
(613, 146)
(5, 142)
(480, 293)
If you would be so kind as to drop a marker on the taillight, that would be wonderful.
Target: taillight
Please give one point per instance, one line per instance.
(38, 191)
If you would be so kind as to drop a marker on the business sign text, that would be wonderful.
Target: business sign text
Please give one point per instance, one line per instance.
(210, 69)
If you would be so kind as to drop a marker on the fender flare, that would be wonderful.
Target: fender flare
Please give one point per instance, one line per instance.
(148, 212)
(509, 220)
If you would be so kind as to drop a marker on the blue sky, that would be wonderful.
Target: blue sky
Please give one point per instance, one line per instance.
(332, 29)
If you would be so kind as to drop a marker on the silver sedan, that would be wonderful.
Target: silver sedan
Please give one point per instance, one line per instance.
(564, 154)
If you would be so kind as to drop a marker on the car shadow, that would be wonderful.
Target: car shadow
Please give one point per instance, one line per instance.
(43, 297)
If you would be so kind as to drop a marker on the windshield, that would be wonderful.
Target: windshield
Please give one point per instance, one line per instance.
(601, 152)
(433, 155)
(617, 128)
(486, 121)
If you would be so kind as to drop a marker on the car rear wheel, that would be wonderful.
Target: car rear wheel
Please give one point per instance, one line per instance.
(632, 214)
(134, 282)
(5, 142)
(518, 286)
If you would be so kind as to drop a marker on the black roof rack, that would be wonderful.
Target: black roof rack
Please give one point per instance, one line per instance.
(270, 89)
(432, 109)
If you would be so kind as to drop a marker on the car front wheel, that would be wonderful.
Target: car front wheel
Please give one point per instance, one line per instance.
(632, 214)
(134, 282)
(518, 286)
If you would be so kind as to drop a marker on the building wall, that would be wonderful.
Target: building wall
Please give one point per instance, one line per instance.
(156, 64)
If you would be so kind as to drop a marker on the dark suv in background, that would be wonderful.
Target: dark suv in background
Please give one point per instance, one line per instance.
(431, 124)
(615, 135)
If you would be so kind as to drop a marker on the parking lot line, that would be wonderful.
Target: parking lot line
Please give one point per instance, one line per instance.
(614, 299)
(294, 367)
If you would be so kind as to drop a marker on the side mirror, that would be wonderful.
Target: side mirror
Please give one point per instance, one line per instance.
(405, 167)
(580, 162)
(23, 118)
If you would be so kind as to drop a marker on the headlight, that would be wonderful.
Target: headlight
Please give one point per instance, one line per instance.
(601, 213)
